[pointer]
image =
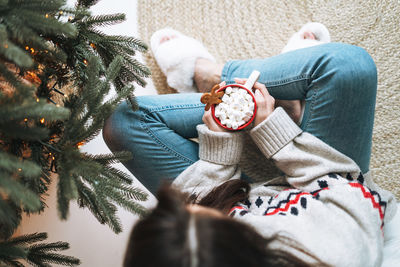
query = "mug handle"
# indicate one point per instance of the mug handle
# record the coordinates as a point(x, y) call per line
point(252, 80)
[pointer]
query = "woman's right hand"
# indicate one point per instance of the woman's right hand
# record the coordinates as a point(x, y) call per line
point(265, 102)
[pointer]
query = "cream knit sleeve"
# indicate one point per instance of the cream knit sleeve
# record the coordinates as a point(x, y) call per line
point(300, 155)
point(219, 154)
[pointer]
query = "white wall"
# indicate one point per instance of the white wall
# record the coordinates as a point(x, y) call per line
point(93, 243)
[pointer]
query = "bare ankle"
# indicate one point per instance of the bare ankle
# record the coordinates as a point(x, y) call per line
point(292, 108)
point(206, 74)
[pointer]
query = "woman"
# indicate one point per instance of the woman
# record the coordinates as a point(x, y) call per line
point(324, 209)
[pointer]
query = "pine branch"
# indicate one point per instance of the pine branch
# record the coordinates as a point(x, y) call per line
point(87, 3)
point(109, 210)
point(13, 129)
point(39, 5)
point(103, 20)
point(12, 52)
point(47, 25)
point(88, 199)
point(22, 90)
point(13, 164)
point(128, 42)
point(38, 254)
point(18, 193)
point(26, 239)
point(32, 110)
point(107, 159)
point(10, 218)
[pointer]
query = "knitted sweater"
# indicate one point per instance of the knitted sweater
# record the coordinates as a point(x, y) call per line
point(322, 201)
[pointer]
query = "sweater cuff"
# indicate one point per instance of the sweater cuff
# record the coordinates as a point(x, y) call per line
point(274, 132)
point(220, 147)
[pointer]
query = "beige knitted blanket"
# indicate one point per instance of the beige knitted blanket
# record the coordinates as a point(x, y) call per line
point(226, 26)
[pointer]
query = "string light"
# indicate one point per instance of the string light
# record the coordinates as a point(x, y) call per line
point(26, 119)
point(93, 45)
point(26, 47)
point(53, 158)
point(37, 100)
point(85, 61)
point(47, 16)
point(32, 50)
point(32, 77)
point(19, 169)
point(80, 144)
point(61, 12)
point(70, 18)
point(42, 120)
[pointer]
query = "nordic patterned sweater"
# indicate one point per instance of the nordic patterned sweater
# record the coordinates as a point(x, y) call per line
point(322, 201)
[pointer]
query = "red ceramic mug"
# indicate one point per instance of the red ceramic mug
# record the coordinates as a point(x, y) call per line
point(248, 87)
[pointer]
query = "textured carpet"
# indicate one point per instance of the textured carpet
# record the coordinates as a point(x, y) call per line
point(226, 26)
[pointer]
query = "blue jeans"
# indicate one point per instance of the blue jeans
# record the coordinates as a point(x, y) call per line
point(337, 81)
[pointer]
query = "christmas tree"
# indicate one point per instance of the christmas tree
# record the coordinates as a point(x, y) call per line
point(56, 67)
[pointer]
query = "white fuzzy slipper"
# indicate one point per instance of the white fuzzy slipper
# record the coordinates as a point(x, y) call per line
point(300, 39)
point(176, 57)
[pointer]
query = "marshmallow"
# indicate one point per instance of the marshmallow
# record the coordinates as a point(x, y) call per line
point(242, 92)
point(222, 117)
point(246, 118)
point(225, 98)
point(248, 97)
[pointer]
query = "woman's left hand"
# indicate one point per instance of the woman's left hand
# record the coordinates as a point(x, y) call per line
point(209, 120)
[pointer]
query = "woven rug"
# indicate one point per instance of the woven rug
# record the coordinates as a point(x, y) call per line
point(226, 26)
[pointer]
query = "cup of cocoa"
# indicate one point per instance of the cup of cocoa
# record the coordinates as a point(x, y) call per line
point(238, 105)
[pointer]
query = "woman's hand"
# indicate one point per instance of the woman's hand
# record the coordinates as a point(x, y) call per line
point(209, 120)
point(265, 102)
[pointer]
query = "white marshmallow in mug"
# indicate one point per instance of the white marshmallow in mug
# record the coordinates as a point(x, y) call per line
point(236, 109)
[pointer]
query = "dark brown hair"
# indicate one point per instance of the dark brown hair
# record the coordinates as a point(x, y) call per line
point(161, 238)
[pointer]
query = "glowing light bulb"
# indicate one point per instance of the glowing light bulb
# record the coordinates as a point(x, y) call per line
point(80, 144)
point(42, 120)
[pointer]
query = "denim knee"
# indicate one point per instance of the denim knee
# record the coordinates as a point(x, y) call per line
point(353, 67)
point(116, 126)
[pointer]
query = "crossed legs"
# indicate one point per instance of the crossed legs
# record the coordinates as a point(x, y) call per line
point(337, 82)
